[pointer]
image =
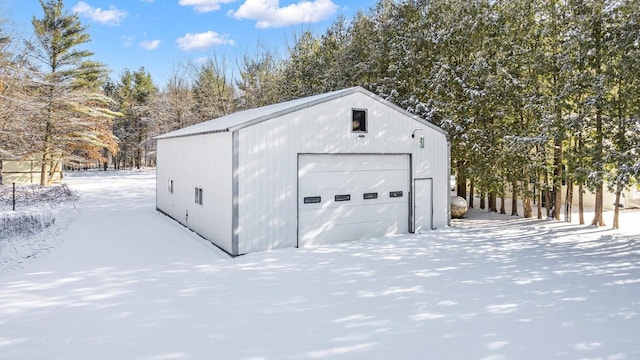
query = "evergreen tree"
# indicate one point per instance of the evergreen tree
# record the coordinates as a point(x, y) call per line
point(534, 95)
point(623, 80)
point(212, 91)
point(73, 110)
point(302, 71)
point(134, 94)
point(333, 57)
point(592, 38)
point(361, 43)
point(457, 85)
point(260, 81)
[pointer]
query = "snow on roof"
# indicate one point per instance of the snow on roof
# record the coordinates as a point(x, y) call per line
point(250, 117)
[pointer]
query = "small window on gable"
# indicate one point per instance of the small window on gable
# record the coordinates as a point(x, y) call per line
point(171, 186)
point(198, 196)
point(358, 120)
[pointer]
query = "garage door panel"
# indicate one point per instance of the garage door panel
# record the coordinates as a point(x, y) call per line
point(323, 219)
point(317, 199)
point(358, 180)
point(324, 163)
point(330, 233)
point(352, 214)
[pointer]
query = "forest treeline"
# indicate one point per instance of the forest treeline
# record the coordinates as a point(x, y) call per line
point(533, 94)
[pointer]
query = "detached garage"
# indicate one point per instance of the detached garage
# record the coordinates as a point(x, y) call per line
point(333, 167)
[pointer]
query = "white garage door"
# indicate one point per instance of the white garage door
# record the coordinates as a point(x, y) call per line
point(347, 197)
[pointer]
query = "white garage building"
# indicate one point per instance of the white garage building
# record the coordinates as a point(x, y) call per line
point(333, 167)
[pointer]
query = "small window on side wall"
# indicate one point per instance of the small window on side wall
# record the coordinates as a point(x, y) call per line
point(198, 196)
point(359, 121)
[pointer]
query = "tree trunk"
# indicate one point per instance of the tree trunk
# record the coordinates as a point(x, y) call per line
point(557, 177)
point(493, 206)
point(548, 203)
point(616, 212)
point(43, 169)
point(598, 154)
point(482, 200)
point(597, 216)
point(547, 195)
point(539, 204)
point(568, 208)
point(471, 194)
point(514, 197)
point(461, 187)
point(526, 198)
point(122, 158)
point(503, 209)
point(53, 168)
point(136, 161)
point(616, 209)
point(581, 203)
point(45, 154)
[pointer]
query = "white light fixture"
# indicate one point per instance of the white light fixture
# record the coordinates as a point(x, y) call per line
point(413, 135)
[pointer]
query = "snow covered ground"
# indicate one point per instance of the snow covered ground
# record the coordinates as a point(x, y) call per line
point(124, 282)
point(26, 233)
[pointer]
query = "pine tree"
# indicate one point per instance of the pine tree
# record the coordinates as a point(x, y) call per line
point(213, 91)
point(73, 110)
point(260, 80)
point(134, 93)
point(302, 72)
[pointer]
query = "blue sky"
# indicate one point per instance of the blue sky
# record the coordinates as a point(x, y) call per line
point(161, 34)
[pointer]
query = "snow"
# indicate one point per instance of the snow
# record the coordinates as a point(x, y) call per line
point(126, 282)
point(37, 209)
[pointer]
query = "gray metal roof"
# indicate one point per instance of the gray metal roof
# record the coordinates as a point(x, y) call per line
point(250, 117)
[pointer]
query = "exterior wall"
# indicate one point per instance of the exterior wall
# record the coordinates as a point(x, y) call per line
point(268, 152)
point(205, 162)
point(633, 196)
point(630, 197)
point(26, 172)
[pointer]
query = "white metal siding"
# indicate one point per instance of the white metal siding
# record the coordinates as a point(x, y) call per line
point(203, 161)
point(433, 162)
point(326, 176)
point(267, 162)
point(423, 204)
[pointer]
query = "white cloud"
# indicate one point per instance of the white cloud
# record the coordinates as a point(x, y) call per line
point(268, 13)
point(202, 41)
point(111, 17)
point(150, 44)
point(205, 5)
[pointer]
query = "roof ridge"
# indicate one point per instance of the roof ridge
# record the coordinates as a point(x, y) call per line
point(239, 119)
